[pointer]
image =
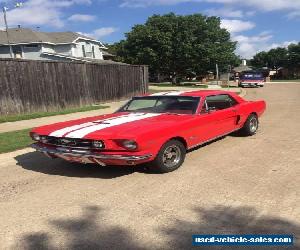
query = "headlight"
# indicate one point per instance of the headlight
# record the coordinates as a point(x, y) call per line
point(98, 144)
point(36, 137)
point(129, 144)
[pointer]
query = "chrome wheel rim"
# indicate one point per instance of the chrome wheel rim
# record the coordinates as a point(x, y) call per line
point(253, 124)
point(171, 156)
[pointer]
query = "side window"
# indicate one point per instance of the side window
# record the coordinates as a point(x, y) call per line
point(219, 102)
point(232, 101)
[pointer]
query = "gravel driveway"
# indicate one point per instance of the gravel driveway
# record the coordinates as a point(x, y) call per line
point(233, 185)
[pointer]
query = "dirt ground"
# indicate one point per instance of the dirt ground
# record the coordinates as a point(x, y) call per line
point(233, 185)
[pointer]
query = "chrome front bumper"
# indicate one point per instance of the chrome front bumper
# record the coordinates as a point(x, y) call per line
point(87, 154)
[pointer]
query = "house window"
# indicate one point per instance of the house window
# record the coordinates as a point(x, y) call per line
point(31, 46)
point(83, 51)
point(93, 51)
point(88, 52)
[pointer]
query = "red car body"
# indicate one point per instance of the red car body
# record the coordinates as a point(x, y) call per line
point(149, 130)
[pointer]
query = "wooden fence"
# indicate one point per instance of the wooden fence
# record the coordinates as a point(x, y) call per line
point(32, 86)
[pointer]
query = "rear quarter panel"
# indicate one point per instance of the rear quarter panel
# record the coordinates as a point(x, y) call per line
point(248, 107)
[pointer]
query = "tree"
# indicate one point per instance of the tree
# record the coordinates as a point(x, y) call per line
point(294, 56)
point(288, 58)
point(260, 60)
point(178, 45)
point(273, 59)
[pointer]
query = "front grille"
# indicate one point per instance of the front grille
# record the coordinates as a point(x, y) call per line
point(67, 142)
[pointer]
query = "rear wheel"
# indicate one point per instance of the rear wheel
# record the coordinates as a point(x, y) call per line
point(170, 157)
point(251, 125)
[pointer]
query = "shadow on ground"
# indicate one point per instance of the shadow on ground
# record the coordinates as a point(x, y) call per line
point(229, 220)
point(38, 162)
point(91, 232)
point(80, 233)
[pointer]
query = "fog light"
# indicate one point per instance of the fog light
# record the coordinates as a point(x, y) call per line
point(98, 144)
point(129, 144)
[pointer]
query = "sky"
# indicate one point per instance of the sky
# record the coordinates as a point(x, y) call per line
point(256, 25)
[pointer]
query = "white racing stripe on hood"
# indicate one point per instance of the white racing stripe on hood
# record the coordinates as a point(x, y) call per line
point(176, 93)
point(63, 131)
point(109, 123)
point(160, 93)
point(169, 93)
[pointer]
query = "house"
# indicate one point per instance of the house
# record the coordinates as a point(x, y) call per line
point(242, 67)
point(37, 45)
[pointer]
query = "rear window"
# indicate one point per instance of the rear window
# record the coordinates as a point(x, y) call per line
point(252, 76)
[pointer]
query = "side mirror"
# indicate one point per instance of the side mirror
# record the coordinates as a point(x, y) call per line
point(208, 111)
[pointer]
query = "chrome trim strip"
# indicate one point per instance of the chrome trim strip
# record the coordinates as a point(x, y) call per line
point(65, 146)
point(88, 154)
point(214, 138)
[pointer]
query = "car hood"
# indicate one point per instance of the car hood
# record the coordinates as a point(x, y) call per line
point(118, 125)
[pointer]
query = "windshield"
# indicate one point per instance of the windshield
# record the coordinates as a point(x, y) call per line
point(162, 104)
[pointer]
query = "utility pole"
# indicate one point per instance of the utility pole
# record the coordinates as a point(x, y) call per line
point(228, 76)
point(217, 73)
point(6, 29)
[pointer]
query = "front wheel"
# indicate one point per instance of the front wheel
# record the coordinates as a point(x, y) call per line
point(251, 125)
point(170, 157)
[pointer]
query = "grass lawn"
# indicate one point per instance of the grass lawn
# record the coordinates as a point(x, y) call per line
point(13, 118)
point(11, 141)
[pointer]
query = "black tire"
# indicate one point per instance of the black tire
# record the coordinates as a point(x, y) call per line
point(251, 125)
point(163, 165)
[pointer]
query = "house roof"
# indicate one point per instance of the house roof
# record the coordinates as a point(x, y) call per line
point(242, 68)
point(105, 53)
point(23, 35)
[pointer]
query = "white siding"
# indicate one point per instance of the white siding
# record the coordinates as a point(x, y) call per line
point(75, 50)
point(48, 48)
point(88, 49)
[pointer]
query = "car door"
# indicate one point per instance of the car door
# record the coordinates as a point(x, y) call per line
point(217, 116)
point(203, 126)
point(224, 113)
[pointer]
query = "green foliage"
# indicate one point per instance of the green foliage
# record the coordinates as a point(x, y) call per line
point(274, 58)
point(278, 57)
point(178, 45)
point(294, 56)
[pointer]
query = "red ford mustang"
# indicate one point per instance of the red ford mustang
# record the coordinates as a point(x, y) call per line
point(157, 128)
